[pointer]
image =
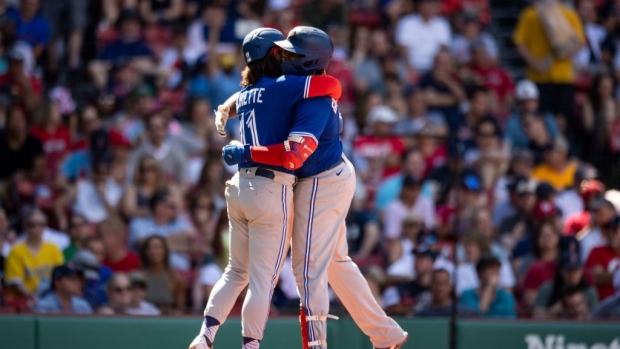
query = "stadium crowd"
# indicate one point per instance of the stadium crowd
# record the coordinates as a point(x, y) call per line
point(503, 191)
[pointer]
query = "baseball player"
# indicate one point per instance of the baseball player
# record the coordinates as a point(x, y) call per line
point(323, 193)
point(259, 196)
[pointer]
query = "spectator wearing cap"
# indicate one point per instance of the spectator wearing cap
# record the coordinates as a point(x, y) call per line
point(520, 166)
point(138, 305)
point(379, 151)
point(602, 211)
point(573, 201)
point(128, 48)
point(527, 97)
point(489, 298)
point(171, 157)
point(30, 25)
point(401, 299)
point(441, 303)
point(550, 66)
point(515, 227)
point(609, 309)
point(18, 85)
point(556, 169)
point(548, 303)
point(93, 275)
point(476, 246)
point(20, 152)
point(117, 256)
point(30, 262)
point(79, 230)
point(409, 202)
point(64, 296)
point(484, 71)
point(471, 31)
point(433, 32)
point(604, 261)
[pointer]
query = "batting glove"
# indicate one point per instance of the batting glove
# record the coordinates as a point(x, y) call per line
point(236, 153)
point(221, 117)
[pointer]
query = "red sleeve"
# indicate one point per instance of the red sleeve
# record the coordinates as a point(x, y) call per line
point(268, 155)
point(593, 259)
point(37, 87)
point(324, 85)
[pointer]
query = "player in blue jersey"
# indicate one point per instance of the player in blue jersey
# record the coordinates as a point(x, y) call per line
point(326, 182)
point(259, 197)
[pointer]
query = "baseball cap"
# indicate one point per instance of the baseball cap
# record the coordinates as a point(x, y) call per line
point(559, 144)
point(591, 188)
point(118, 140)
point(87, 264)
point(601, 202)
point(425, 252)
point(570, 260)
point(471, 181)
point(526, 186)
point(61, 271)
point(526, 89)
point(544, 190)
point(15, 55)
point(382, 113)
point(137, 278)
point(544, 209)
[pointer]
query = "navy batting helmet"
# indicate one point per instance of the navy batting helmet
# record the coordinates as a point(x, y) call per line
point(315, 46)
point(257, 43)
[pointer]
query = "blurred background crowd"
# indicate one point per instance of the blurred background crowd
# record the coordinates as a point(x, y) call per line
point(486, 144)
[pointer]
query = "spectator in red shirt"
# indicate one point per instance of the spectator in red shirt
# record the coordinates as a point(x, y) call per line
point(20, 87)
point(118, 258)
point(485, 72)
point(590, 191)
point(54, 136)
point(605, 260)
point(380, 150)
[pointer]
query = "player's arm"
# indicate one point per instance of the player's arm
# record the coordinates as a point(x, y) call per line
point(224, 112)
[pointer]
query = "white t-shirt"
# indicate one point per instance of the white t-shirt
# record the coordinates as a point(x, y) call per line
point(395, 212)
point(467, 277)
point(422, 39)
point(88, 203)
point(591, 240)
point(569, 202)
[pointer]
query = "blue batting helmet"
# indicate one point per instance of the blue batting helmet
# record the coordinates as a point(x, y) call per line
point(257, 43)
point(315, 46)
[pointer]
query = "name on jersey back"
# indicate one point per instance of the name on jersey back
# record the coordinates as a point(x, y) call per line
point(254, 95)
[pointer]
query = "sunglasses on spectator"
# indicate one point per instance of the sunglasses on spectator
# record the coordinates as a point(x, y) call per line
point(120, 289)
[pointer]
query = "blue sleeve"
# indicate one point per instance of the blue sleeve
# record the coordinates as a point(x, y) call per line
point(293, 87)
point(312, 116)
point(470, 299)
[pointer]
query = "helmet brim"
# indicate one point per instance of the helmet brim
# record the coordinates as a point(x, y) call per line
point(288, 46)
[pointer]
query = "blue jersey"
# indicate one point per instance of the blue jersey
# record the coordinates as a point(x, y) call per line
point(318, 118)
point(266, 112)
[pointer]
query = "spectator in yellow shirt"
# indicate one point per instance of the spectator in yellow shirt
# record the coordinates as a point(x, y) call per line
point(556, 169)
point(548, 52)
point(29, 265)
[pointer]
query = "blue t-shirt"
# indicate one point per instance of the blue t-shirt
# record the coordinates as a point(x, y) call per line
point(502, 306)
point(265, 112)
point(36, 32)
point(76, 165)
point(318, 118)
point(50, 304)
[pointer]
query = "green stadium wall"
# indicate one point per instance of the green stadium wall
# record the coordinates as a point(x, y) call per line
point(47, 332)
